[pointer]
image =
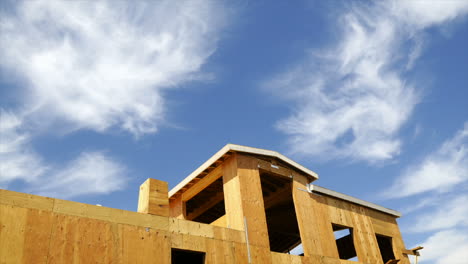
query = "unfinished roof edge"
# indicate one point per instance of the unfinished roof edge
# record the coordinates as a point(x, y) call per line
point(245, 149)
point(342, 196)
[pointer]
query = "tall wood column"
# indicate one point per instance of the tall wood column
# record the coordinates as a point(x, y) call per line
point(244, 204)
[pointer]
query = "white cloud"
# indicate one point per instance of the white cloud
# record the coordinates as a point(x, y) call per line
point(351, 100)
point(456, 209)
point(448, 246)
point(17, 159)
point(425, 13)
point(90, 173)
point(440, 171)
point(103, 64)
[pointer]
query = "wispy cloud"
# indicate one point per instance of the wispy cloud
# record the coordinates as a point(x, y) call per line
point(447, 246)
point(436, 219)
point(17, 159)
point(440, 171)
point(439, 182)
point(350, 101)
point(102, 64)
point(90, 173)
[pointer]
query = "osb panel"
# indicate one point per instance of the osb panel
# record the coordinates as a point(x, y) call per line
point(12, 229)
point(77, 239)
point(282, 258)
point(144, 245)
point(38, 230)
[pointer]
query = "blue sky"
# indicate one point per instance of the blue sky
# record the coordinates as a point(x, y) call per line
point(373, 96)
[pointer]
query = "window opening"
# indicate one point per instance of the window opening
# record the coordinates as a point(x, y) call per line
point(180, 256)
point(208, 205)
point(345, 242)
point(385, 246)
point(283, 230)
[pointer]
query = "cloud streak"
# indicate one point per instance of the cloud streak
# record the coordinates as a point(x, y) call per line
point(91, 173)
point(17, 159)
point(350, 101)
point(104, 64)
point(440, 171)
point(447, 246)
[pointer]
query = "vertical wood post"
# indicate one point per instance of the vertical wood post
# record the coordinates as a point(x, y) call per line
point(153, 198)
point(244, 198)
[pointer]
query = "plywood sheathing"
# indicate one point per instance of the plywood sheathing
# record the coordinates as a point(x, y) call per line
point(36, 229)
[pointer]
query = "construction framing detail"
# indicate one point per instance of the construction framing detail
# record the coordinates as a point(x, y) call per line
point(244, 205)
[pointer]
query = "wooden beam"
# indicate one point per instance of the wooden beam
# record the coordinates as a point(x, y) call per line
point(207, 205)
point(177, 207)
point(274, 168)
point(153, 198)
point(413, 251)
point(202, 183)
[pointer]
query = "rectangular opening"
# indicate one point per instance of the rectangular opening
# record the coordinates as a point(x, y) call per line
point(208, 205)
point(180, 256)
point(283, 230)
point(386, 248)
point(345, 242)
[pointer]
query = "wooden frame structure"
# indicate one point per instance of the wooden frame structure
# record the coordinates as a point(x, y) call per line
point(244, 205)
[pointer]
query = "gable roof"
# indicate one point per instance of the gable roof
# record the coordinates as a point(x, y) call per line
point(242, 149)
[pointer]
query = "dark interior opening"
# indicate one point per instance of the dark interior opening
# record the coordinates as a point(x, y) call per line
point(207, 205)
point(283, 230)
point(179, 256)
point(345, 242)
point(385, 246)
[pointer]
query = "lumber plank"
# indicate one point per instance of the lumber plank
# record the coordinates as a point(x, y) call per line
point(26, 200)
point(204, 182)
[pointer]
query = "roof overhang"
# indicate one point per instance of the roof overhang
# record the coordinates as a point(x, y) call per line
point(242, 149)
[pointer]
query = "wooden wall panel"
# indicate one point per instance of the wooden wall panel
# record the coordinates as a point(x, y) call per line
point(313, 220)
point(365, 241)
point(12, 229)
point(141, 245)
point(366, 223)
point(283, 258)
point(77, 239)
point(387, 225)
point(36, 229)
point(37, 235)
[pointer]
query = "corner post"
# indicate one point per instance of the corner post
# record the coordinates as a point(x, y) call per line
point(153, 198)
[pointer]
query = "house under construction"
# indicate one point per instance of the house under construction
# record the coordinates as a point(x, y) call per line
point(243, 205)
